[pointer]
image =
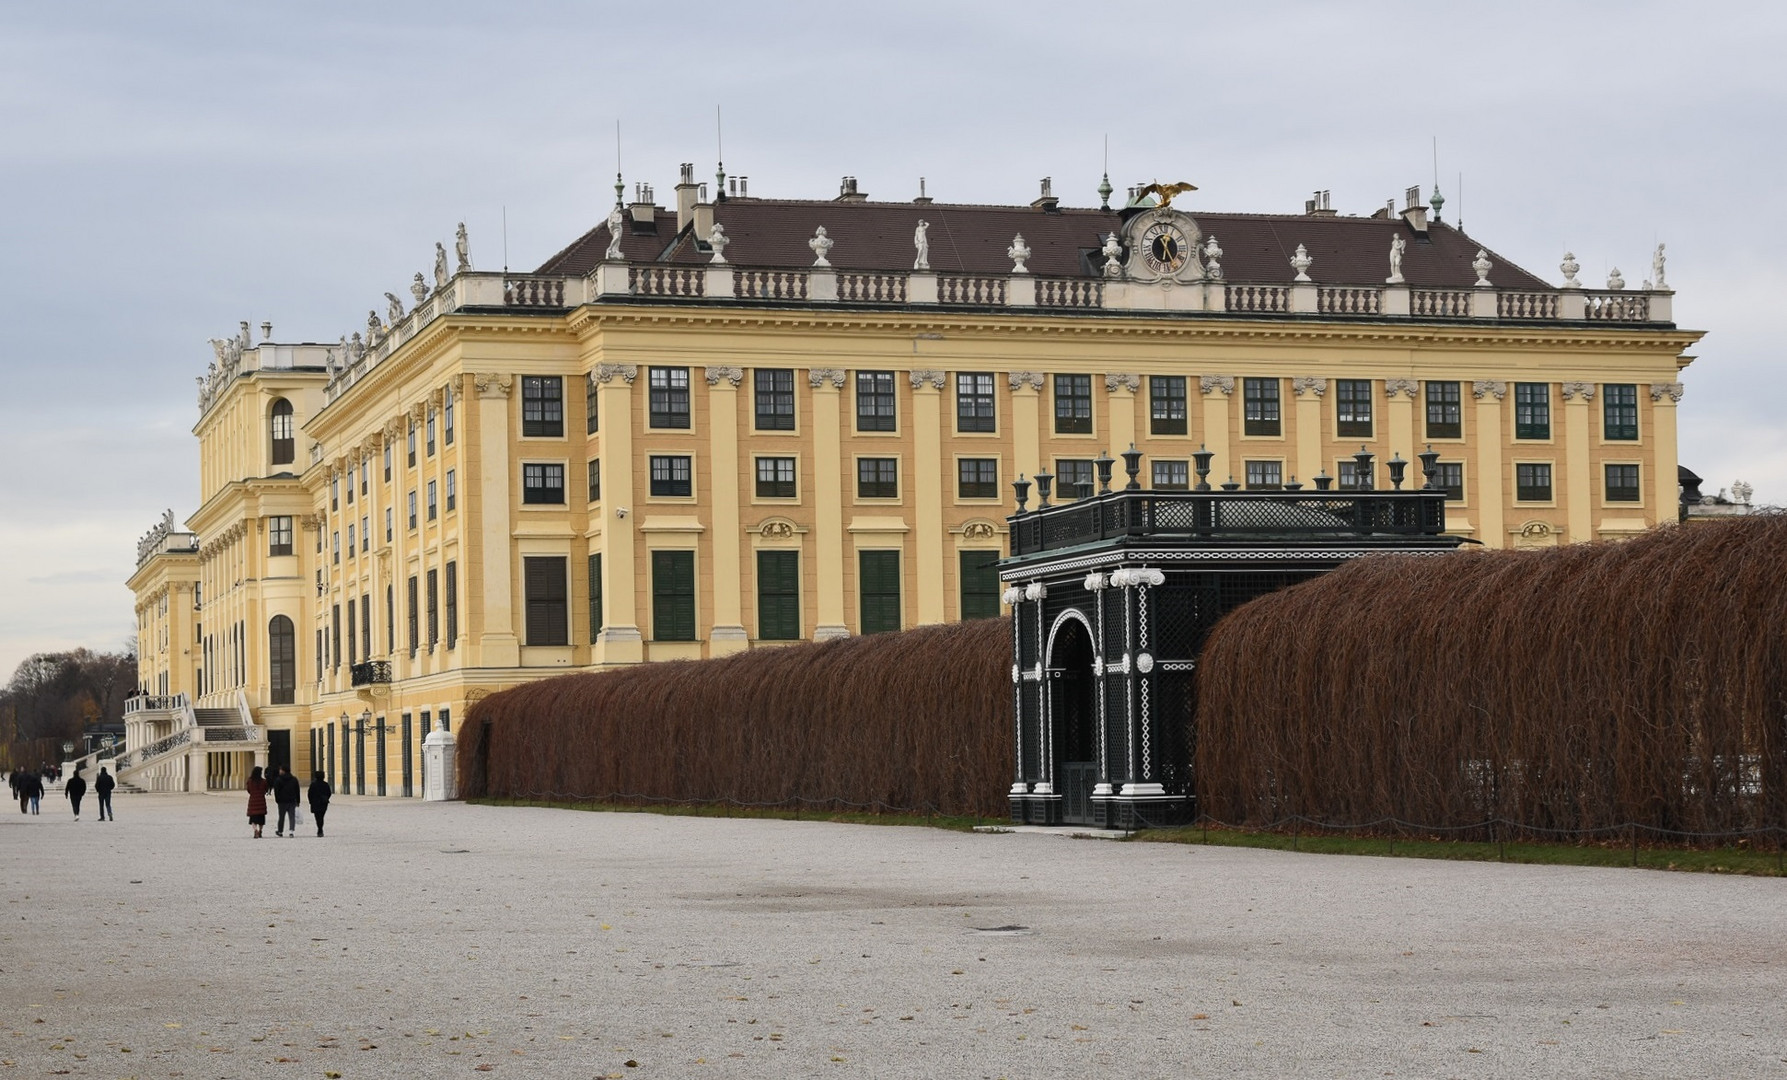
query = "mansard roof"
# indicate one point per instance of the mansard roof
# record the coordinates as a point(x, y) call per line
point(1065, 242)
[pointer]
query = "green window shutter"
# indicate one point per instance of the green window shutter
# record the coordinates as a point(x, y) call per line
point(673, 596)
point(778, 595)
point(980, 584)
point(878, 582)
point(595, 597)
point(543, 586)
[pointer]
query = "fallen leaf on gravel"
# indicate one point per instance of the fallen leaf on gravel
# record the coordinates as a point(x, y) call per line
point(1194, 1016)
point(332, 1075)
point(483, 1068)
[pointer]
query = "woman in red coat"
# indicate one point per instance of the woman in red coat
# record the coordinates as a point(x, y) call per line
point(257, 801)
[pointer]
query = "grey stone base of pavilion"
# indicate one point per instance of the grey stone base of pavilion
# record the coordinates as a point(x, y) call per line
point(1125, 812)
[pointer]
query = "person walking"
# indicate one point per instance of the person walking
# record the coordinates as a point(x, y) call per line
point(257, 801)
point(286, 793)
point(33, 790)
point(17, 780)
point(75, 790)
point(102, 789)
point(320, 793)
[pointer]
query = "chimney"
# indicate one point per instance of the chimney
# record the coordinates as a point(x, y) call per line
point(923, 199)
point(1318, 206)
point(686, 195)
point(642, 208)
point(1415, 211)
point(847, 191)
point(1046, 202)
point(704, 214)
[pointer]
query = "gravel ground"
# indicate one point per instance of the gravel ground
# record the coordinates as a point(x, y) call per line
point(439, 940)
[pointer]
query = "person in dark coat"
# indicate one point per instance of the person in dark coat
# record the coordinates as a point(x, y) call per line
point(257, 801)
point(102, 787)
point(75, 790)
point(286, 793)
point(320, 793)
point(31, 791)
point(17, 780)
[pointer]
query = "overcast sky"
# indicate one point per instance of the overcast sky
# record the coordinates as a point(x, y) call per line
point(170, 169)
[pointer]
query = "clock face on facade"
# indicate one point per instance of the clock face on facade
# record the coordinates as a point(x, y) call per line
point(1164, 248)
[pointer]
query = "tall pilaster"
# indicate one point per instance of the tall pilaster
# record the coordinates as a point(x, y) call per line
point(1400, 413)
point(620, 641)
point(728, 634)
point(1490, 489)
point(927, 492)
point(1309, 391)
point(1026, 413)
point(498, 645)
point(827, 385)
point(1217, 389)
point(1665, 489)
point(1120, 391)
point(1578, 491)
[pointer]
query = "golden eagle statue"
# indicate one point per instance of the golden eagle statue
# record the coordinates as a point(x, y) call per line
point(1165, 192)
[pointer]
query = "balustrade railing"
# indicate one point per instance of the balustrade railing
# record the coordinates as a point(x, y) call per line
point(146, 754)
point(770, 284)
point(370, 672)
point(1526, 305)
point(533, 290)
point(970, 289)
point(1258, 298)
point(1199, 515)
point(872, 288)
point(1069, 293)
point(1447, 303)
point(154, 703)
point(1617, 306)
point(1349, 300)
point(686, 281)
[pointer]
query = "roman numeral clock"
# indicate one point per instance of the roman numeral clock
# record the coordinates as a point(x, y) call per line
point(1163, 242)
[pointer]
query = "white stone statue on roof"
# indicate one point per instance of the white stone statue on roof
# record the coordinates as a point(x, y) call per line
point(616, 221)
point(1212, 259)
point(374, 328)
point(922, 244)
point(821, 244)
point(419, 289)
point(440, 265)
point(1017, 253)
point(244, 337)
point(1112, 252)
point(1397, 244)
point(396, 307)
point(1656, 271)
point(717, 239)
point(1569, 266)
point(357, 348)
point(1482, 266)
point(463, 248)
point(1614, 280)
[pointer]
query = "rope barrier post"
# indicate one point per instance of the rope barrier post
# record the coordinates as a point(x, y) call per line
point(1634, 828)
point(1205, 820)
point(1296, 831)
point(1501, 842)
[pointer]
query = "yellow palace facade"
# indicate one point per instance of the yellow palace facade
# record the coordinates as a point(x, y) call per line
point(742, 422)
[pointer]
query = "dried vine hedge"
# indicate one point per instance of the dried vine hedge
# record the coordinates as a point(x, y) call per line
point(919, 722)
point(1575, 688)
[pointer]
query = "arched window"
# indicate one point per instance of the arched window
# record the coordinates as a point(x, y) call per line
point(282, 660)
point(285, 446)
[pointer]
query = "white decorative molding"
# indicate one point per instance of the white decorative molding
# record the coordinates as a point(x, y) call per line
point(817, 377)
point(1671, 390)
point(1094, 582)
point(607, 372)
point(1614, 280)
point(1301, 262)
point(1036, 590)
point(1144, 663)
point(979, 530)
point(717, 239)
point(1585, 389)
point(821, 245)
point(488, 384)
point(1017, 253)
point(1482, 266)
point(1212, 259)
point(733, 375)
point(1124, 379)
point(1112, 252)
point(1032, 379)
point(919, 377)
point(1392, 387)
point(1126, 576)
point(1209, 384)
point(1309, 384)
point(1015, 674)
point(1489, 386)
point(1569, 266)
point(1012, 596)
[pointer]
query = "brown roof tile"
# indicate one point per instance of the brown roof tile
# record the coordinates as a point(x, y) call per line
point(973, 239)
